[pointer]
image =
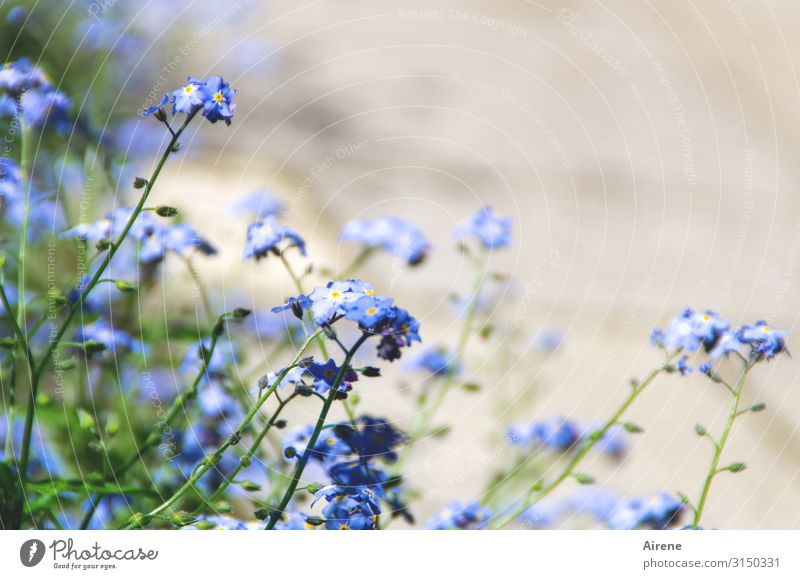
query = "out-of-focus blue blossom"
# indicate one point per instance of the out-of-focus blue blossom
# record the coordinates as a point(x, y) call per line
point(659, 512)
point(259, 204)
point(765, 341)
point(115, 341)
point(594, 501)
point(690, 331)
point(543, 514)
point(269, 325)
point(548, 340)
point(293, 376)
point(435, 361)
point(25, 88)
point(349, 509)
point(39, 107)
point(728, 343)
point(265, 236)
point(397, 236)
point(181, 239)
point(17, 15)
point(683, 365)
point(214, 401)
point(458, 515)
point(562, 435)
point(224, 357)
point(44, 463)
point(492, 231)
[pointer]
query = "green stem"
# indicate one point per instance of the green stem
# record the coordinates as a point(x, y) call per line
point(587, 446)
point(312, 441)
point(155, 436)
point(713, 471)
point(26, 176)
point(428, 413)
point(139, 520)
point(245, 460)
point(112, 250)
point(357, 263)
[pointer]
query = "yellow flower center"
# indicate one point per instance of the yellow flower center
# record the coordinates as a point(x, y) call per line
point(344, 527)
point(336, 294)
point(189, 89)
point(218, 98)
point(372, 311)
point(369, 293)
point(767, 329)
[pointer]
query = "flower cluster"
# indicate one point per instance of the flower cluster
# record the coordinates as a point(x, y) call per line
point(352, 458)
point(357, 302)
point(349, 511)
point(691, 331)
point(155, 237)
point(25, 89)
point(397, 236)
point(562, 435)
point(213, 96)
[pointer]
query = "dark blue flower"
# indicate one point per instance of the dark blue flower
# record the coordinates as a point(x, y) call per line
point(265, 236)
point(325, 376)
point(492, 231)
point(683, 365)
point(349, 509)
point(217, 97)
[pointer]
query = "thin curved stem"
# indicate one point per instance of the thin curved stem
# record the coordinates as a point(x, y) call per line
point(112, 250)
point(139, 520)
point(430, 411)
point(312, 441)
point(251, 451)
point(587, 446)
point(155, 436)
point(713, 469)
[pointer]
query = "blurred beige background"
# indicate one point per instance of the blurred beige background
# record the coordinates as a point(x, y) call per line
point(650, 146)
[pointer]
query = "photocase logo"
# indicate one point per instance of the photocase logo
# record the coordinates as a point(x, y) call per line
point(32, 552)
